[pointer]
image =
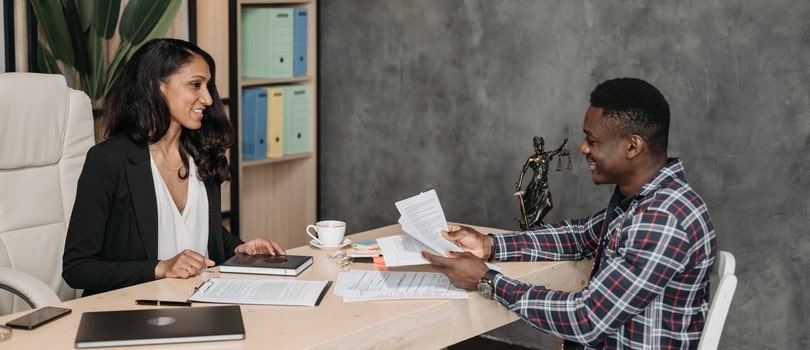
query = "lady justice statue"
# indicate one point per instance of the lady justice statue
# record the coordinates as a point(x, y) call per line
point(535, 200)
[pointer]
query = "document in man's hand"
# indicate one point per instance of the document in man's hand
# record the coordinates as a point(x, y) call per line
point(422, 218)
point(402, 250)
point(266, 264)
point(261, 292)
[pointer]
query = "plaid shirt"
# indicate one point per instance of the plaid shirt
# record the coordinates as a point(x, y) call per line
point(651, 290)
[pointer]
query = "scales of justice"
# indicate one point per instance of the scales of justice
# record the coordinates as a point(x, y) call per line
point(535, 200)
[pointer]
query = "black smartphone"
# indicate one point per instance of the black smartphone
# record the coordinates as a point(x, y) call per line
point(38, 317)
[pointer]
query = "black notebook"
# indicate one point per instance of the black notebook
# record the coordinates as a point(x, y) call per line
point(160, 326)
point(286, 265)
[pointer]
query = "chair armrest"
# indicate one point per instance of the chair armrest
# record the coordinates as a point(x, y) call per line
point(30, 289)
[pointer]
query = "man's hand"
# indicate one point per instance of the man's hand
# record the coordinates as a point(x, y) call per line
point(463, 269)
point(469, 239)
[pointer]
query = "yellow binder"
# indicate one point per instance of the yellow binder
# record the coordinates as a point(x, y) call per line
point(275, 122)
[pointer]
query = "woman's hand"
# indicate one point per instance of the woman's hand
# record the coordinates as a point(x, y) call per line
point(185, 264)
point(259, 246)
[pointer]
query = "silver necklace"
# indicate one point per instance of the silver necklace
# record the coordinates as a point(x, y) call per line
point(166, 165)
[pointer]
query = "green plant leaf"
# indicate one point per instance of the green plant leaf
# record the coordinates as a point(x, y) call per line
point(161, 27)
point(165, 21)
point(77, 37)
point(85, 13)
point(51, 17)
point(106, 17)
point(115, 67)
point(139, 18)
point(45, 60)
point(95, 77)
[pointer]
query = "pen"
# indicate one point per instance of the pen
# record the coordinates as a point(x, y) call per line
point(162, 302)
point(374, 255)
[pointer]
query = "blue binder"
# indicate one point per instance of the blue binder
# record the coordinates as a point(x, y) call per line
point(254, 124)
point(300, 16)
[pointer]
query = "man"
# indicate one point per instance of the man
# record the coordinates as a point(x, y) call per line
point(653, 246)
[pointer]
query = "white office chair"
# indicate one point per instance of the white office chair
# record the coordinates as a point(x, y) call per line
point(721, 302)
point(46, 129)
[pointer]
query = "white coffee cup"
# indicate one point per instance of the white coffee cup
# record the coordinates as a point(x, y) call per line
point(328, 233)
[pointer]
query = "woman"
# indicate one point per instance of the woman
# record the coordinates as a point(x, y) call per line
point(148, 199)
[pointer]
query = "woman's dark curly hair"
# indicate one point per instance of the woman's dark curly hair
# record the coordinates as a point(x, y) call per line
point(137, 108)
point(637, 108)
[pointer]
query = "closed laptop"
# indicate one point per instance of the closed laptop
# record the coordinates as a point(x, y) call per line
point(160, 326)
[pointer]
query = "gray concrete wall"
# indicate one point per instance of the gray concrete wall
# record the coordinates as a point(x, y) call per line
point(447, 94)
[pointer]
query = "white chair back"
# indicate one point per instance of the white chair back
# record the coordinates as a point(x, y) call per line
point(46, 129)
point(721, 302)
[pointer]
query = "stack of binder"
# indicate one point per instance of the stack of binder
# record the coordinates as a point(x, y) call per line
point(274, 42)
point(276, 121)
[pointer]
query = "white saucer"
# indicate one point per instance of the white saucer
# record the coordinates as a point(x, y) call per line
point(345, 242)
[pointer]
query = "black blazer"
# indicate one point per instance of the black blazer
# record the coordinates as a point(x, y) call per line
point(112, 237)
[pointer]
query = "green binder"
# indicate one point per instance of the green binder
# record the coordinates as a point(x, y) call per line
point(297, 119)
point(267, 42)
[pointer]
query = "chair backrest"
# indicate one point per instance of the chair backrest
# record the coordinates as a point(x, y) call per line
point(721, 302)
point(46, 129)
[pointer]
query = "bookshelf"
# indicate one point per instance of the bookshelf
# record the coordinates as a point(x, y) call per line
point(274, 198)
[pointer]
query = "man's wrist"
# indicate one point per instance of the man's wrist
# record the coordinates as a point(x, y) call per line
point(486, 285)
point(491, 248)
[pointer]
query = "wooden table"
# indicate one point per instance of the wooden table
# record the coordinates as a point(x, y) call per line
point(400, 324)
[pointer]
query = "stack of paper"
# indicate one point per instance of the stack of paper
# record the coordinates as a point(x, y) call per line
point(377, 285)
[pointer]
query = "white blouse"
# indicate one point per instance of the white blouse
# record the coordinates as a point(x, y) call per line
point(187, 230)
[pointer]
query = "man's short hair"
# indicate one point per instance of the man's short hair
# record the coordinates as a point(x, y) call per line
point(637, 108)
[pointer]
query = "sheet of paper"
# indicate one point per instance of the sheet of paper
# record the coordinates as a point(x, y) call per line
point(423, 218)
point(361, 285)
point(260, 291)
point(402, 250)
